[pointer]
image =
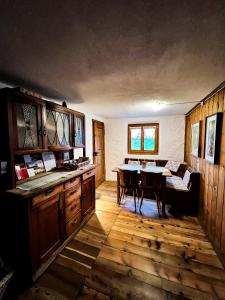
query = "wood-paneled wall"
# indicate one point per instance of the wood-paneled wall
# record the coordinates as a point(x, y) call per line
point(212, 185)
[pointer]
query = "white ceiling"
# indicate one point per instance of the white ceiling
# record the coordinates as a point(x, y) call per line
point(115, 58)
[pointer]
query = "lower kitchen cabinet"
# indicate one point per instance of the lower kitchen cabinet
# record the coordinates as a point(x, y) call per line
point(46, 229)
point(88, 193)
point(34, 229)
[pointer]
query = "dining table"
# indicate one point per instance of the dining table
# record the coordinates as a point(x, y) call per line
point(150, 168)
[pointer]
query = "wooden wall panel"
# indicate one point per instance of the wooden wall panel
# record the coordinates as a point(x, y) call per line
point(212, 183)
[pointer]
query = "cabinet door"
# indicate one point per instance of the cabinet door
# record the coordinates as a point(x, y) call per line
point(88, 196)
point(58, 128)
point(27, 118)
point(46, 235)
point(79, 134)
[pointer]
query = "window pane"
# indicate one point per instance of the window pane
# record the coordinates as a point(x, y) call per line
point(149, 138)
point(135, 138)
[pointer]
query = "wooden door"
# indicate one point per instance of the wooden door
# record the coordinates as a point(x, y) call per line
point(99, 151)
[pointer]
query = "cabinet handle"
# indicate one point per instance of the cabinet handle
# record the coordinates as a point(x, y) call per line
point(88, 173)
point(72, 180)
point(73, 207)
point(44, 131)
point(40, 132)
point(73, 192)
point(74, 222)
point(49, 191)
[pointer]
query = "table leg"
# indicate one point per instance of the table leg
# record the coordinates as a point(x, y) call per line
point(164, 198)
point(118, 189)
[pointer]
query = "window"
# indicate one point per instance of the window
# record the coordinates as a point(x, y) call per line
point(143, 138)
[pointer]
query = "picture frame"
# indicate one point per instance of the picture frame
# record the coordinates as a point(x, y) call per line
point(196, 139)
point(213, 137)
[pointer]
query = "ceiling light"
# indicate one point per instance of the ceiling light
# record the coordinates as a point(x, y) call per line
point(157, 105)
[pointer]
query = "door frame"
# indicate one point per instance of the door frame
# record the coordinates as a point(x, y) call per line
point(93, 143)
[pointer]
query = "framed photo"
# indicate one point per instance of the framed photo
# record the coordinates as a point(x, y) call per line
point(213, 137)
point(195, 139)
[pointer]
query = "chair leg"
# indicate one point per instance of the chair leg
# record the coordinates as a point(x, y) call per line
point(158, 204)
point(137, 195)
point(134, 199)
point(121, 194)
point(142, 196)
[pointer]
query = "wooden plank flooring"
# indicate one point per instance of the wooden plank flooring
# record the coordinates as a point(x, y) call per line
point(122, 255)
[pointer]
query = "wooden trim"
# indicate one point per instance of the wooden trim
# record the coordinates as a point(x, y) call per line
point(93, 141)
point(142, 151)
point(211, 94)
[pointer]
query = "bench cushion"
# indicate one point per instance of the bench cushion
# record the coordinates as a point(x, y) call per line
point(172, 165)
point(176, 183)
point(186, 178)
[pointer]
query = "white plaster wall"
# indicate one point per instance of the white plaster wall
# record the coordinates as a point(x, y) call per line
point(171, 140)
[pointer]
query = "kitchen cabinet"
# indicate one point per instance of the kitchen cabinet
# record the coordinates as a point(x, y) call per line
point(79, 134)
point(35, 227)
point(28, 124)
point(58, 127)
point(72, 205)
point(46, 225)
point(88, 193)
point(36, 126)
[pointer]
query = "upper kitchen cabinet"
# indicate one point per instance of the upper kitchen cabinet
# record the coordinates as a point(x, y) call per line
point(58, 127)
point(27, 123)
point(79, 133)
point(37, 125)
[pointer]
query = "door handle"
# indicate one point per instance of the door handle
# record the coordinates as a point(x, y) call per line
point(95, 153)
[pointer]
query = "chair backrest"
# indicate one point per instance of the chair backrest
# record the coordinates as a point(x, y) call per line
point(133, 162)
point(128, 178)
point(151, 180)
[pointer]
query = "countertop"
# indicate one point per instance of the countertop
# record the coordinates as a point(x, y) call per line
point(27, 194)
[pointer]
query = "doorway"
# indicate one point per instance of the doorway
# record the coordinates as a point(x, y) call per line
point(99, 151)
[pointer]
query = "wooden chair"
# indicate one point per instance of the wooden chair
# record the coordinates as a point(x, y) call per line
point(128, 180)
point(151, 183)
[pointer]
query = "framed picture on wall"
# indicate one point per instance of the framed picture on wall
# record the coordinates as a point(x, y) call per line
point(195, 139)
point(213, 137)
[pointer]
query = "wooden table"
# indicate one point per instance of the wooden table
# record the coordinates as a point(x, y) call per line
point(155, 169)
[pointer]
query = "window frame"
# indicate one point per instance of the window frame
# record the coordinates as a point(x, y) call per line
point(142, 151)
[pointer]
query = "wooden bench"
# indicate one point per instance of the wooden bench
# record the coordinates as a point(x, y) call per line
point(183, 192)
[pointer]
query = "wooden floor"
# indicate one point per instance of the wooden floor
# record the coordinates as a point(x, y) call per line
point(122, 255)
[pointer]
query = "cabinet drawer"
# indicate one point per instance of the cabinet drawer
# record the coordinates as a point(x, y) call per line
point(88, 174)
point(73, 224)
point(72, 182)
point(72, 209)
point(47, 194)
point(72, 195)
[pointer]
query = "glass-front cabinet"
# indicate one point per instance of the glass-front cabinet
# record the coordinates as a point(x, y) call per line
point(58, 127)
point(28, 125)
point(79, 134)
